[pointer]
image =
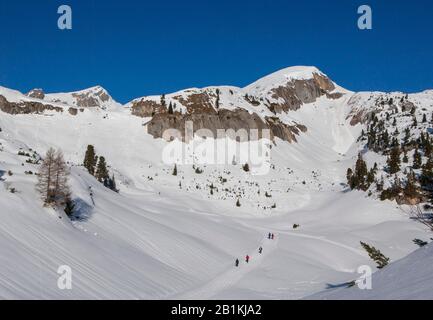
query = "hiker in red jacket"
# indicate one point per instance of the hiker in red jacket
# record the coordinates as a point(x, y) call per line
point(247, 258)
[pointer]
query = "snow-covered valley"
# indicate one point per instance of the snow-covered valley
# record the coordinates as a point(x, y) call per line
point(166, 236)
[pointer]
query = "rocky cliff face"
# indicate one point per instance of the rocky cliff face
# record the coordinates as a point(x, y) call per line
point(257, 106)
point(232, 122)
point(295, 93)
point(26, 107)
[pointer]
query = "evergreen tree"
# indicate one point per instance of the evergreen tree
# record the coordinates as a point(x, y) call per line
point(90, 159)
point(427, 146)
point(376, 255)
point(379, 184)
point(101, 170)
point(426, 178)
point(424, 118)
point(359, 178)
point(394, 160)
point(410, 190)
point(163, 103)
point(170, 109)
point(415, 122)
point(417, 160)
point(175, 170)
point(217, 102)
point(349, 176)
point(385, 139)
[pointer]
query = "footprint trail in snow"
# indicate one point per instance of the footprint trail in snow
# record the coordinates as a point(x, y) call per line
point(232, 275)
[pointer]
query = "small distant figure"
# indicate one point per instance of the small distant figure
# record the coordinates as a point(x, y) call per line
point(272, 236)
point(269, 235)
point(247, 258)
point(237, 263)
point(260, 250)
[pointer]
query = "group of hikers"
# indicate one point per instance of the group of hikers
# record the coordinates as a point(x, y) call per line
point(247, 257)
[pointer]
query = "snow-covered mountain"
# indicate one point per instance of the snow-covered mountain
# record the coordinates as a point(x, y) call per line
point(177, 236)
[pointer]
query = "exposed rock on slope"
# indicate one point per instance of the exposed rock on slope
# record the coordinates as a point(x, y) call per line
point(25, 107)
point(36, 93)
point(224, 119)
point(257, 106)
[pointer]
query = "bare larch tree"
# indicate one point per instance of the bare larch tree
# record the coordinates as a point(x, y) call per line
point(53, 179)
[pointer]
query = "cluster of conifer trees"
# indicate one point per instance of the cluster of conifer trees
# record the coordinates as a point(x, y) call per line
point(97, 167)
point(418, 182)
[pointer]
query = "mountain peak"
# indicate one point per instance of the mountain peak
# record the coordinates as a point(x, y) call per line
point(283, 76)
point(95, 96)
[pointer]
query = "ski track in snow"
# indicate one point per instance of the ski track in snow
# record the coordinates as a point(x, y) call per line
point(233, 274)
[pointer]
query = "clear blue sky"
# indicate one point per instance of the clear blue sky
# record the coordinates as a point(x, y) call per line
point(136, 48)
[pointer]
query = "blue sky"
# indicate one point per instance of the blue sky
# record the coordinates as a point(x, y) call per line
point(136, 48)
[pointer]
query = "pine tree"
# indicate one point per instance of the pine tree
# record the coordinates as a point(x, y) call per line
point(417, 160)
point(424, 118)
point(427, 146)
point(385, 139)
point(410, 190)
point(175, 170)
point(90, 159)
point(426, 178)
point(358, 178)
point(238, 203)
point(415, 122)
point(101, 170)
point(163, 103)
point(394, 160)
point(170, 109)
point(376, 255)
point(217, 102)
point(349, 177)
point(246, 167)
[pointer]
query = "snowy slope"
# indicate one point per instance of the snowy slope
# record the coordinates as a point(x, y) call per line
point(166, 236)
point(406, 279)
